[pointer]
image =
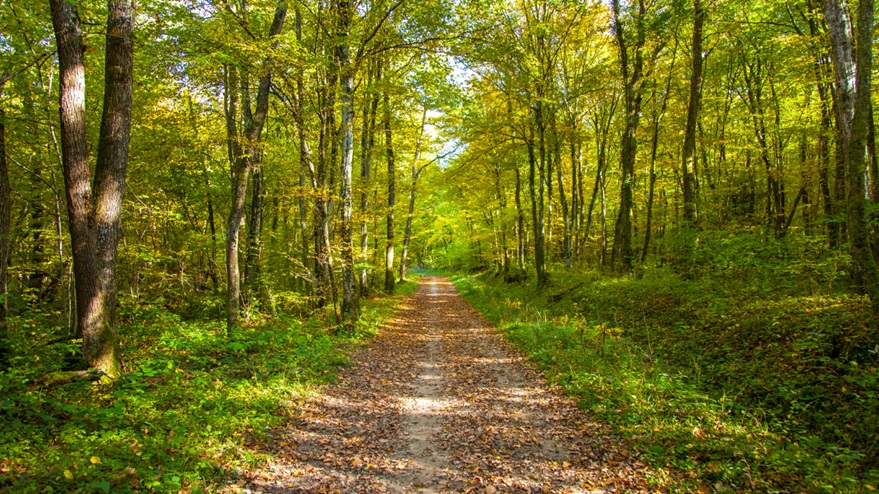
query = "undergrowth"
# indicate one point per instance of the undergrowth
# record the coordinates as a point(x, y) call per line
point(193, 407)
point(745, 388)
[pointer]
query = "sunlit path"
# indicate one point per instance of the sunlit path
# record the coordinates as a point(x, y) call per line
point(441, 403)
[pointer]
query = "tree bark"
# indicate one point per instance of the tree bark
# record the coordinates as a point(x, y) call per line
point(350, 309)
point(392, 199)
point(5, 224)
point(689, 155)
point(112, 158)
point(367, 144)
point(536, 209)
point(622, 241)
point(852, 70)
point(94, 227)
point(244, 155)
point(520, 223)
point(412, 193)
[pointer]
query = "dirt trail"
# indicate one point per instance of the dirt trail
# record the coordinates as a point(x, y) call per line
point(440, 402)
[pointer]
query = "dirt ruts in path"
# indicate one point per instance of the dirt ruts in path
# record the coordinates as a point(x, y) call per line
point(440, 402)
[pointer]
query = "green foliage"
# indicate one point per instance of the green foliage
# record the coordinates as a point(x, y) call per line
point(192, 407)
point(758, 383)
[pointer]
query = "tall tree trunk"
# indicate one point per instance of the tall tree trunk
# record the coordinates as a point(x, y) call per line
point(689, 154)
point(622, 241)
point(852, 67)
point(306, 168)
point(536, 207)
point(239, 173)
point(350, 309)
point(254, 230)
point(94, 227)
point(412, 193)
point(392, 199)
point(567, 241)
point(112, 158)
point(366, 148)
point(5, 224)
point(244, 154)
point(852, 70)
point(520, 223)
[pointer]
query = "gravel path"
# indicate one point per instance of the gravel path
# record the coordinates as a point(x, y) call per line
point(440, 402)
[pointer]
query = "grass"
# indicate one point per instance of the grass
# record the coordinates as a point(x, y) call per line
point(192, 408)
point(719, 390)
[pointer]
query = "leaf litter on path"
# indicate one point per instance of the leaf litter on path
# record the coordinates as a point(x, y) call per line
point(441, 402)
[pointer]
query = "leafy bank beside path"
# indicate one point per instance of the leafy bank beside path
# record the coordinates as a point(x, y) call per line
point(741, 393)
point(193, 408)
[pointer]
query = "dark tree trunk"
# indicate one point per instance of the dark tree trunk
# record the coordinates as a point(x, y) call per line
point(366, 148)
point(5, 224)
point(412, 194)
point(244, 156)
point(536, 207)
point(853, 72)
point(654, 145)
point(392, 199)
point(688, 171)
point(622, 241)
point(254, 230)
point(350, 309)
point(94, 227)
point(112, 159)
point(568, 246)
point(520, 223)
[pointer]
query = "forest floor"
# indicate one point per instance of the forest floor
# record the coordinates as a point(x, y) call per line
point(441, 402)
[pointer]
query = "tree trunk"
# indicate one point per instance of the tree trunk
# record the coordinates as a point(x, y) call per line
point(689, 154)
point(412, 192)
point(622, 241)
point(254, 230)
point(536, 208)
point(520, 223)
point(853, 70)
point(350, 309)
point(392, 199)
point(239, 172)
point(5, 224)
point(94, 228)
point(367, 145)
point(244, 156)
point(567, 247)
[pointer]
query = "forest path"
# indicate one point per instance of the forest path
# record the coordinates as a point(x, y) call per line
point(440, 402)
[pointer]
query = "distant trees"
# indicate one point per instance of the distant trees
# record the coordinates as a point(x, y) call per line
point(742, 140)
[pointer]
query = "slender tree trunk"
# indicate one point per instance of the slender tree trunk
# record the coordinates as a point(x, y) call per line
point(392, 199)
point(367, 146)
point(520, 223)
point(350, 308)
point(5, 224)
point(536, 208)
point(689, 155)
point(244, 156)
point(622, 241)
point(412, 193)
point(306, 170)
point(254, 229)
point(239, 173)
point(568, 247)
